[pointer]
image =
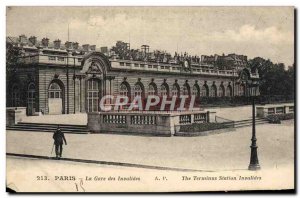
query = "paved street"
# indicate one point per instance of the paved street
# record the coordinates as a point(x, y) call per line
point(225, 151)
point(225, 154)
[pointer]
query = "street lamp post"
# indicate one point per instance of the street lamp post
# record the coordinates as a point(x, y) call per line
point(254, 164)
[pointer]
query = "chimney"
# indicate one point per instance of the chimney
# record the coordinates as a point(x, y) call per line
point(45, 42)
point(104, 50)
point(69, 45)
point(57, 44)
point(216, 57)
point(85, 47)
point(203, 57)
point(23, 38)
point(32, 39)
point(93, 47)
point(75, 45)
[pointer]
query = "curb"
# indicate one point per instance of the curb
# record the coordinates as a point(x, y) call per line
point(107, 163)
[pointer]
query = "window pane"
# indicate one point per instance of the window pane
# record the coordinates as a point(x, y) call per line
point(90, 105)
point(93, 84)
point(89, 85)
point(95, 105)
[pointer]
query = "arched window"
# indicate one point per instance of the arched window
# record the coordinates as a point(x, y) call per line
point(186, 89)
point(93, 95)
point(31, 99)
point(164, 90)
point(196, 90)
point(175, 90)
point(152, 90)
point(204, 91)
point(138, 90)
point(213, 91)
point(55, 97)
point(229, 91)
point(242, 90)
point(221, 90)
point(124, 91)
point(15, 99)
point(54, 91)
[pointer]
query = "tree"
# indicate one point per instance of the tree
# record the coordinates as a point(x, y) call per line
point(12, 54)
point(274, 78)
point(121, 49)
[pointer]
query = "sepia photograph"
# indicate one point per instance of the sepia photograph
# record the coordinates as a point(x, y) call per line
point(150, 99)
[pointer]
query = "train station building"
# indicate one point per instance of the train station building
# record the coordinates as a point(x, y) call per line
point(66, 78)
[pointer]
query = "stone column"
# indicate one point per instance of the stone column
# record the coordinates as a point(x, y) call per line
point(82, 85)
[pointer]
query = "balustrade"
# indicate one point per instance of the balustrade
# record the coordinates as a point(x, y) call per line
point(114, 119)
point(200, 118)
point(143, 120)
point(184, 119)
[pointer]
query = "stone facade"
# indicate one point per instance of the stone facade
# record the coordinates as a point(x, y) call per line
point(55, 80)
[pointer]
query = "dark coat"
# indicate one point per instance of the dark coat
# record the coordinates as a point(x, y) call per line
point(59, 137)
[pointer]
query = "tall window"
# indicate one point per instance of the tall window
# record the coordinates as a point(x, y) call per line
point(204, 91)
point(138, 90)
point(31, 97)
point(242, 90)
point(151, 90)
point(195, 91)
point(15, 99)
point(213, 90)
point(93, 95)
point(175, 91)
point(229, 90)
point(221, 91)
point(163, 90)
point(55, 91)
point(186, 90)
point(124, 90)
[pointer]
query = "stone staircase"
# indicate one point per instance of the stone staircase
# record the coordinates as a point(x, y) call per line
point(248, 122)
point(227, 126)
point(82, 129)
point(44, 127)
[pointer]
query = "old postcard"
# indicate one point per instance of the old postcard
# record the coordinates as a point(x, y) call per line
point(150, 99)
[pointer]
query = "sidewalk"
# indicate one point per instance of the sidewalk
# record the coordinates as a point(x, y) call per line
point(226, 151)
point(74, 119)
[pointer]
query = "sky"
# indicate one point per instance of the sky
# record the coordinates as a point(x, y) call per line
point(267, 32)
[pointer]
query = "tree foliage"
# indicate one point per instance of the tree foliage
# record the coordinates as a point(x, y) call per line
point(275, 79)
point(12, 54)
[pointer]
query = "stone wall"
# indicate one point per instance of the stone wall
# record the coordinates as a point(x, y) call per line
point(271, 109)
point(146, 123)
point(14, 115)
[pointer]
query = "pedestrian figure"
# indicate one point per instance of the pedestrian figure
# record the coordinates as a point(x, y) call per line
point(59, 137)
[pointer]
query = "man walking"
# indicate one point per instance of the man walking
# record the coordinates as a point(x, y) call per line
point(59, 137)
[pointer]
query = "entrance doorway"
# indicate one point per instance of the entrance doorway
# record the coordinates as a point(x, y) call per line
point(55, 98)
